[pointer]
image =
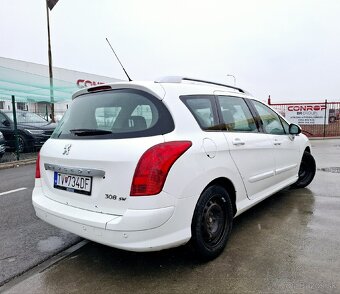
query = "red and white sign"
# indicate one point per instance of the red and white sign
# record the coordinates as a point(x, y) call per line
point(312, 114)
point(87, 83)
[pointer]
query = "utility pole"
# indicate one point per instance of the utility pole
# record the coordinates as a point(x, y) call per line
point(16, 141)
point(49, 5)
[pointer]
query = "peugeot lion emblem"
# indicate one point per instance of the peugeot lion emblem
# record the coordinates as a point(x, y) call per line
point(67, 149)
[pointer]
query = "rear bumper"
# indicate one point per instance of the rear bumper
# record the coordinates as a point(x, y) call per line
point(136, 230)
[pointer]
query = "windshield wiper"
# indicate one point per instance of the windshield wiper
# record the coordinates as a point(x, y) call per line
point(89, 132)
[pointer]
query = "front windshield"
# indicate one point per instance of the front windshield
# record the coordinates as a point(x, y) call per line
point(26, 117)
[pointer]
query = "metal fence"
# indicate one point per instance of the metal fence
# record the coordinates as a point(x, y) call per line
point(317, 119)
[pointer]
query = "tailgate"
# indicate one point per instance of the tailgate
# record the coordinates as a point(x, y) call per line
point(95, 175)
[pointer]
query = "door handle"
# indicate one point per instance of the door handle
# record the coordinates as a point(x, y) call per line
point(238, 142)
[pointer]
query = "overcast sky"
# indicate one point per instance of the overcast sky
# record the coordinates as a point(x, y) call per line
point(289, 49)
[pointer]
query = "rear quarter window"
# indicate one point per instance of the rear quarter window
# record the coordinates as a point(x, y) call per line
point(122, 113)
point(203, 108)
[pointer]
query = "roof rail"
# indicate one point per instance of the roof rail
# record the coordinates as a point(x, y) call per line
point(179, 79)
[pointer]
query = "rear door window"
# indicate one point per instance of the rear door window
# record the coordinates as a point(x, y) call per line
point(235, 115)
point(123, 113)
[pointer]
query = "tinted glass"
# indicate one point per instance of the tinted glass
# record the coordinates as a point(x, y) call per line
point(203, 109)
point(271, 121)
point(123, 113)
point(106, 116)
point(236, 115)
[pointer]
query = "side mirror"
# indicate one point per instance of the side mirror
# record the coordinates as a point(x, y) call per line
point(294, 129)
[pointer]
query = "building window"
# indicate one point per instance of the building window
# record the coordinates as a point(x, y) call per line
point(21, 106)
point(2, 104)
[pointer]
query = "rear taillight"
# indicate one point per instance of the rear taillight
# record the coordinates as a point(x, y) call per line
point(37, 167)
point(154, 165)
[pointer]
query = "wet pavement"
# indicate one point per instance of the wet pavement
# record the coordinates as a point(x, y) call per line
point(290, 243)
point(25, 240)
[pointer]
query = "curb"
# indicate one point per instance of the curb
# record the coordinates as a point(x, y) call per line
point(17, 163)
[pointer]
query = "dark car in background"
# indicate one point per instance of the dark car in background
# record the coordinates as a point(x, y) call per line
point(2, 145)
point(33, 130)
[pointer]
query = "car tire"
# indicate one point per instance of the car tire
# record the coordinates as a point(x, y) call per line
point(212, 223)
point(22, 143)
point(307, 171)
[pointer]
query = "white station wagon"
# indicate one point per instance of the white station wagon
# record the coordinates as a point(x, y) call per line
point(146, 166)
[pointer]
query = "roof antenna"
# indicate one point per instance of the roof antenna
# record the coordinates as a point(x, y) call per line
point(119, 61)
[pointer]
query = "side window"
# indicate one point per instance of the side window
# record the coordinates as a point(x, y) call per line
point(236, 115)
point(203, 109)
point(285, 125)
point(271, 121)
point(144, 112)
point(106, 116)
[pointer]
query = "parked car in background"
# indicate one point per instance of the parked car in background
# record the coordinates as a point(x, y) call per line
point(33, 130)
point(145, 166)
point(2, 145)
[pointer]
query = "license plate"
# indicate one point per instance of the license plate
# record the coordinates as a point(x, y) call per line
point(73, 183)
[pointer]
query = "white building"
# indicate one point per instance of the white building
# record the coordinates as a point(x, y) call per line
point(29, 83)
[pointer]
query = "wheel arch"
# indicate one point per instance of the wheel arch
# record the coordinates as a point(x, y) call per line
point(229, 186)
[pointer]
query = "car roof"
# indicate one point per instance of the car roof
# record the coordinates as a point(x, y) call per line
point(158, 87)
point(180, 80)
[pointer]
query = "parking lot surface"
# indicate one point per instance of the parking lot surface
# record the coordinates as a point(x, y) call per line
point(287, 244)
point(25, 240)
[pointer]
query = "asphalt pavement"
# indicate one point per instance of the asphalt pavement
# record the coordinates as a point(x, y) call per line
point(289, 243)
point(9, 160)
point(25, 240)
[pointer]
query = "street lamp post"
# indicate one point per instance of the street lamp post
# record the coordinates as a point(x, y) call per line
point(50, 63)
point(234, 79)
point(49, 6)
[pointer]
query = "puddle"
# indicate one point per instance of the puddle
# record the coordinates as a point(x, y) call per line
point(50, 244)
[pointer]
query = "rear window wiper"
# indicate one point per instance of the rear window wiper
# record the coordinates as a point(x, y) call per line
point(89, 132)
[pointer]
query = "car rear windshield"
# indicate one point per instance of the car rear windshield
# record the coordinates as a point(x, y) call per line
point(122, 113)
